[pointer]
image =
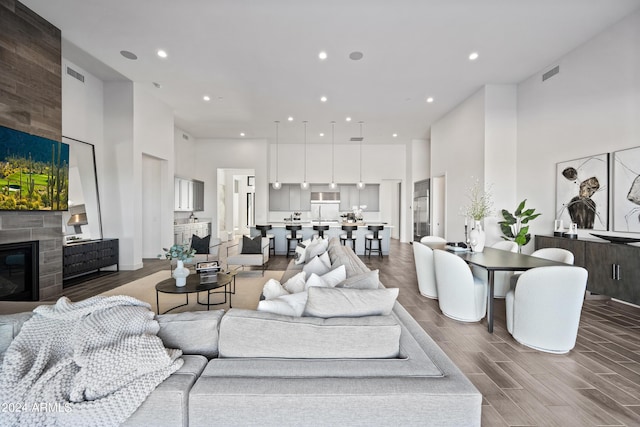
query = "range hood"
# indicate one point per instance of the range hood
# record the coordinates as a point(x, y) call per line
point(325, 197)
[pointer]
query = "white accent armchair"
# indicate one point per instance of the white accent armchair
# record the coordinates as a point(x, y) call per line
point(501, 279)
point(425, 270)
point(461, 296)
point(543, 312)
point(236, 257)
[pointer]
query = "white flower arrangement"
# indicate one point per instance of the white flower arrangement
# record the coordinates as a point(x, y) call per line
point(480, 202)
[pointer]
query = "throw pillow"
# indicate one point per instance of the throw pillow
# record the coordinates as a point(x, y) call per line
point(316, 265)
point(324, 257)
point(327, 280)
point(340, 302)
point(317, 247)
point(251, 245)
point(273, 289)
point(287, 305)
point(300, 257)
point(296, 283)
point(200, 244)
point(368, 280)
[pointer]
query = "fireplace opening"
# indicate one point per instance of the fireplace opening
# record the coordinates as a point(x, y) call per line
point(19, 278)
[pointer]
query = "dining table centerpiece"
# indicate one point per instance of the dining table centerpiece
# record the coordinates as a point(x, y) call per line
point(479, 207)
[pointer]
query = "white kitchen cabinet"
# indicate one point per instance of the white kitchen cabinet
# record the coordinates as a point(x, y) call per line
point(189, 195)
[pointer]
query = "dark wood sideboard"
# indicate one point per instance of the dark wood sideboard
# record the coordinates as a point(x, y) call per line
point(614, 268)
point(86, 257)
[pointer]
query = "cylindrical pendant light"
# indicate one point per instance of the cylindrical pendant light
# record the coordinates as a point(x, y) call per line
point(333, 184)
point(360, 184)
point(277, 185)
point(305, 185)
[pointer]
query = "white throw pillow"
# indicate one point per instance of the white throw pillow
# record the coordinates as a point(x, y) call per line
point(316, 265)
point(273, 289)
point(296, 283)
point(317, 247)
point(301, 256)
point(328, 280)
point(287, 305)
point(324, 257)
point(342, 302)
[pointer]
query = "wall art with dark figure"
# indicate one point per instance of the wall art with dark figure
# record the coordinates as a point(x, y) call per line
point(582, 192)
point(626, 190)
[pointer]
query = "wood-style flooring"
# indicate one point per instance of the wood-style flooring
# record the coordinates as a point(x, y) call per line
point(596, 384)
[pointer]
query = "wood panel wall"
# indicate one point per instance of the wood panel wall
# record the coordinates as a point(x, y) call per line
point(30, 67)
point(31, 101)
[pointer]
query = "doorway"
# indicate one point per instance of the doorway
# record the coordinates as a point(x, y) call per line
point(438, 204)
point(236, 202)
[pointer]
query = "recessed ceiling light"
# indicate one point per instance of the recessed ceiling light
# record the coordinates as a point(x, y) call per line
point(348, 119)
point(206, 98)
point(161, 53)
point(395, 135)
point(473, 56)
point(323, 98)
point(430, 99)
point(129, 55)
point(356, 56)
point(322, 55)
point(321, 134)
point(290, 119)
point(241, 133)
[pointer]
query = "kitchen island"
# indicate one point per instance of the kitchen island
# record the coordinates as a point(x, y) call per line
point(335, 229)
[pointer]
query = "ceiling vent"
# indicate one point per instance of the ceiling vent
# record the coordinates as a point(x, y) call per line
point(76, 75)
point(185, 136)
point(356, 139)
point(552, 72)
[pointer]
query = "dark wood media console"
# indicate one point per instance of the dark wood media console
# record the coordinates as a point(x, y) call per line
point(614, 268)
point(86, 257)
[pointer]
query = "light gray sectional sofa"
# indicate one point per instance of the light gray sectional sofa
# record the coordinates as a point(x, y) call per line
point(251, 368)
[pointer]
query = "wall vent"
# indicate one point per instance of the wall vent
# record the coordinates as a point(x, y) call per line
point(185, 136)
point(356, 138)
point(552, 72)
point(76, 75)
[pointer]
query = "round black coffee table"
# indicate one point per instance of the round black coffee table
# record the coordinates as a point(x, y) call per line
point(197, 283)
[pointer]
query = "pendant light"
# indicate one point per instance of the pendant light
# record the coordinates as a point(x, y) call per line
point(360, 184)
point(305, 185)
point(277, 184)
point(333, 184)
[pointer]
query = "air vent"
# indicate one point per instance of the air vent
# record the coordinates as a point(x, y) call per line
point(185, 136)
point(76, 75)
point(356, 138)
point(552, 72)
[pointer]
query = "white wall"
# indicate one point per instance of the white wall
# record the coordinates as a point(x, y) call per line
point(591, 107)
point(457, 151)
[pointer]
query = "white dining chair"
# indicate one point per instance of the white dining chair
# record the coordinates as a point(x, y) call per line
point(461, 296)
point(434, 242)
point(552, 254)
point(543, 312)
point(425, 270)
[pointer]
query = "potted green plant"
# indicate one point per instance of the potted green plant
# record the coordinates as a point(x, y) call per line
point(515, 226)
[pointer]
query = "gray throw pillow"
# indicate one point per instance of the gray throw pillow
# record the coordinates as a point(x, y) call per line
point(340, 302)
point(251, 246)
point(368, 280)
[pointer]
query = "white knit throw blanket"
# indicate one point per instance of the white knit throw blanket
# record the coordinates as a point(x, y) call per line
point(90, 363)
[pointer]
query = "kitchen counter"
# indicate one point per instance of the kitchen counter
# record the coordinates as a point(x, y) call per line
point(335, 230)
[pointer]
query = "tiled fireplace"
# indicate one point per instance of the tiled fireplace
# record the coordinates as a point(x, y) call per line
point(46, 229)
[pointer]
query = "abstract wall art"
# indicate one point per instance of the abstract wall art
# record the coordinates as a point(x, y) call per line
point(582, 192)
point(626, 190)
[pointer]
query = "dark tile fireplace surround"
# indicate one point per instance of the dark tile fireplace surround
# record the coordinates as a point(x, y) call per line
point(46, 229)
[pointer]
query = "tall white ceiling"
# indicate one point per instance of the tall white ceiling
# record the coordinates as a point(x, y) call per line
point(258, 59)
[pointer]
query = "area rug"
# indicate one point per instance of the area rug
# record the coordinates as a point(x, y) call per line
point(248, 288)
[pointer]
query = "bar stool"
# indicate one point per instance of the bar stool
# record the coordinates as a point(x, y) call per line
point(349, 235)
point(272, 238)
point(321, 229)
point(370, 238)
point(293, 237)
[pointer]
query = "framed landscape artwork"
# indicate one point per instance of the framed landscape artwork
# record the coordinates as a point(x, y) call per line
point(626, 190)
point(582, 192)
